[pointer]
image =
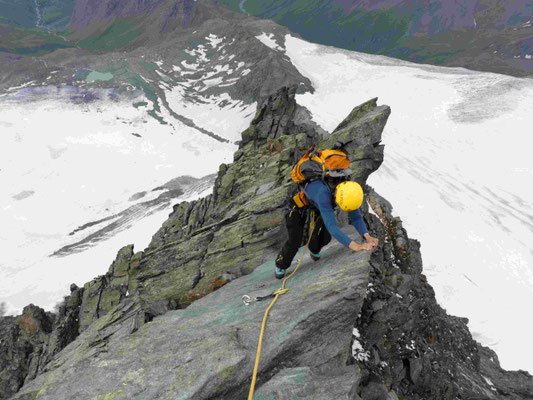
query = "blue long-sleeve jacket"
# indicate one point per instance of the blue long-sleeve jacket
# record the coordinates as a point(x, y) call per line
point(318, 194)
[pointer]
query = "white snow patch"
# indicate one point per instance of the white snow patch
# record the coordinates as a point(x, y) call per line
point(268, 40)
point(11, 89)
point(199, 52)
point(358, 352)
point(193, 66)
point(229, 82)
point(221, 114)
point(487, 380)
point(214, 40)
point(212, 82)
point(222, 68)
point(528, 56)
point(161, 74)
point(411, 346)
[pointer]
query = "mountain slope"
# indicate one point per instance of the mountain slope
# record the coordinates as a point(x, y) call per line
point(47, 14)
point(17, 42)
point(495, 35)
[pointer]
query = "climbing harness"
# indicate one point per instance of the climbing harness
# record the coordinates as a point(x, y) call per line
point(282, 290)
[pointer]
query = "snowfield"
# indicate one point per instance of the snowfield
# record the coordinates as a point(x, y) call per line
point(66, 165)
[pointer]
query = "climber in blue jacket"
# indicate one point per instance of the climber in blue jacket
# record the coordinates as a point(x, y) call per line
point(348, 195)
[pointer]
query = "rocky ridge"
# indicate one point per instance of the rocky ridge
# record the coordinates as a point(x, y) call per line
point(153, 327)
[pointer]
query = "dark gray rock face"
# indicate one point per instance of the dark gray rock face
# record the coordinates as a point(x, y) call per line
point(207, 351)
point(87, 11)
point(407, 343)
point(30, 341)
point(280, 116)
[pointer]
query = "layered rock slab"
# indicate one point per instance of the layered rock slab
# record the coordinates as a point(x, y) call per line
point(208, 350)
point(207, 243)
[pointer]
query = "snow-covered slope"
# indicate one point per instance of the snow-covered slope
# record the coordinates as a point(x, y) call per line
point(82, 149)
point(458, 168)
point(78, 183)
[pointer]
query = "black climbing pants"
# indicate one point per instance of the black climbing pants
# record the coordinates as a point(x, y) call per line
point(295, 221)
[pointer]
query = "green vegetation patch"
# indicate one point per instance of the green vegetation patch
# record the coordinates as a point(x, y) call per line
point(148, 66)
point(96, 76)
point(231, 4)
point(374, 32)
point(121, 70)
point(30, 41)
point(116, 36)
point(50, 17)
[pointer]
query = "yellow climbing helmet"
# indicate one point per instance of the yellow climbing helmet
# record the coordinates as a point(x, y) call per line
point(349, 195)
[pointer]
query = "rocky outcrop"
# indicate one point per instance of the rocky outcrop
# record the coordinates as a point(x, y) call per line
point(405, 343)
point(280, 116)
point(106, 292)
point(207, 351)
point(21, 341)
point(30, 341)
point(207, 243)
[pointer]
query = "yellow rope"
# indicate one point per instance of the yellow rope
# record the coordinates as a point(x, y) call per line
point(278, 292)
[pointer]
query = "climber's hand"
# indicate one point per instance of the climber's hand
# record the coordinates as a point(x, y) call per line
point(371, 240)
point(358, 247)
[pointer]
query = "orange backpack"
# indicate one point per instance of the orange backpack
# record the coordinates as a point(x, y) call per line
point(316, 165)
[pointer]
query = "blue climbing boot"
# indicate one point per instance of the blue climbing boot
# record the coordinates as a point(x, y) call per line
point(279, 273)
point(314, 256)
